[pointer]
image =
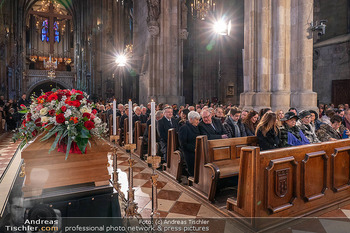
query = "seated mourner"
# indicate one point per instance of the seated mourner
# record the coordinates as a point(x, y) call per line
point(187, 138)
point(267, 132)
point(291, 135)
point(304, 123)
point(211, 127)
point(164, 124)
point(334, 131)
point(233, 124)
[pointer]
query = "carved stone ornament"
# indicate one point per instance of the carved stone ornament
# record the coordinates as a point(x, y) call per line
point(281, 182)
point(153, 30)
point(183, 34)
point(153, 10)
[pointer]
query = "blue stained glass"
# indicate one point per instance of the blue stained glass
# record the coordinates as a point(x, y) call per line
point(44, 31)
point(57, 33)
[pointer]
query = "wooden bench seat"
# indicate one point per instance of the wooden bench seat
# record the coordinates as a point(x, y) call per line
point(226, 168)
point(174, 156)
point(139, 131)
point(215, 160)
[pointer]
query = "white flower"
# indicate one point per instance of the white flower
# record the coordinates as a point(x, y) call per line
point(43, 111)
point(97, 120)
point(44, 119)
point(85, 109)
point(67, 113)
point(66, 122)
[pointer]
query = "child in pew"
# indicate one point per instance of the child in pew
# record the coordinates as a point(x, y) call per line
point(267, 132)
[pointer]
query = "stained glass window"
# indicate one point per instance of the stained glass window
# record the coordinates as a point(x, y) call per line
point(57, 33)
point(45, 31)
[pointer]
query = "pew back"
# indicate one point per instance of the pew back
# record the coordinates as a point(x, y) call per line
point(216, 159)
point(294, 181)
point(111, 123)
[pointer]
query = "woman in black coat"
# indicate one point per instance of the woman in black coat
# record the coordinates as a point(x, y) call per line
point(187, 138)
point(267, 132)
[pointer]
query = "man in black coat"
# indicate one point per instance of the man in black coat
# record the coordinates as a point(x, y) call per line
point(187, 138)
point(23, 101)
point(233, 124)
point(164, 124)
point(211, 127)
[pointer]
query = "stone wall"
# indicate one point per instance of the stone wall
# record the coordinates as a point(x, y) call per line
point(331, 62)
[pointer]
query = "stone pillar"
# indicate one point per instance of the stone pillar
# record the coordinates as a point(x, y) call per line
point(165, 70)
point(263, 45)
point(249, 65)
point(302, 96)
point(278, 55)
point(280, 98)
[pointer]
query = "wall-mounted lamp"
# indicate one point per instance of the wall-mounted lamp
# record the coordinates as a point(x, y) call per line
point(320, 28)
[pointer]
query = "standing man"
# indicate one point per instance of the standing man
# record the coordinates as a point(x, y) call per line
point(164, 124)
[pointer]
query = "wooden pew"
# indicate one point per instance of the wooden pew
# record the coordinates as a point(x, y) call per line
point(102, 116)
point(291, 182)
point(138, 136)
point(214, 160)
point(174, 158)
point(126, 131)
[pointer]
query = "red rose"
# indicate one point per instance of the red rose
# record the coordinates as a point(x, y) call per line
point(59, 96)
point(38, 122)
point(94, 111)
point(79, 97)
point(89, 125)
point(86, 114)
point(60, 118)
point(34, 133)
point(88, 101)
point(23, 106)
point(48, 93)
point(52, 112)
point(76, 103)
point(29, 115)
point(52, 97)
point(24, 123)
point(63, 108)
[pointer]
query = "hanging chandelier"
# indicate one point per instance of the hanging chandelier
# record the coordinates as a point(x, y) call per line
point(51, 66)
point(201, 8)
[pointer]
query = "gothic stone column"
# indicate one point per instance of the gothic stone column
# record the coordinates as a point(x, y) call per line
point(166, 51)
point(302, 96)
point(278, 55)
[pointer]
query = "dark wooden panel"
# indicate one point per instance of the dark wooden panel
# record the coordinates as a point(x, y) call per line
point(221, 153)
point(281, 177)
point(340, 91)
point(340, 173)
point(314, 175)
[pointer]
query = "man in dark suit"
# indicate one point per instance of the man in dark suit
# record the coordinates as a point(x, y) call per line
point(211, 127)
point(164, 124)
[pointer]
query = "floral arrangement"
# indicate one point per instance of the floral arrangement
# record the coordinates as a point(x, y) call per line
point(67, 115)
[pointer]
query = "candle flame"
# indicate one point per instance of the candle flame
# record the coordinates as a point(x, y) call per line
point(152, 100)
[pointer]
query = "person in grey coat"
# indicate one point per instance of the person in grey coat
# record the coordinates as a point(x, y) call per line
point(304, 123)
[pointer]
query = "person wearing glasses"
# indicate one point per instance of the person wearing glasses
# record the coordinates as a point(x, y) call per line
point(304, 123)
point(291, 135)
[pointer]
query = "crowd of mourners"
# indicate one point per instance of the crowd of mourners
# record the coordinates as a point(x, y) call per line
point(273, 129)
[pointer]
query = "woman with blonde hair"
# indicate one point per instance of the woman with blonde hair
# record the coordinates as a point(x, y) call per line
point(267, 132)
point(279, 115)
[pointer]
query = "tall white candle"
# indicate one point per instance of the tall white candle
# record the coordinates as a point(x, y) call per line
point(114, 117)
point(130, 122)
point(153, 128)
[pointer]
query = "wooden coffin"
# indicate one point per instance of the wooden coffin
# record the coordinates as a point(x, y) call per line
point(45, 170)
